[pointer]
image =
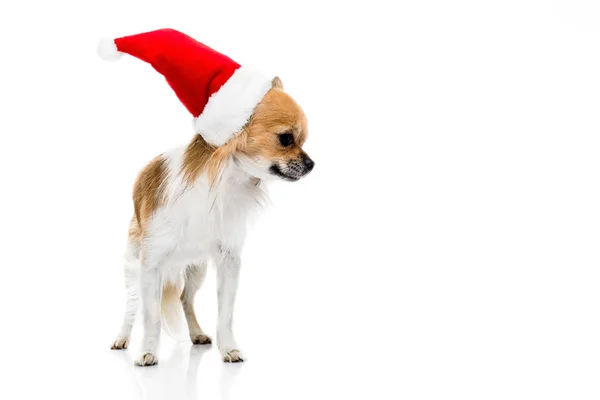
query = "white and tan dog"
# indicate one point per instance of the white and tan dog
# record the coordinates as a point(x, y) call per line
point(191, 207)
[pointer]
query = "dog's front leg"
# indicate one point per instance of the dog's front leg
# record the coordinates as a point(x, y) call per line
point(228, 270)
point(150, 291)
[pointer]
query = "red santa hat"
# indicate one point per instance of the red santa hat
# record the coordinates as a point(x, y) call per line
point(220, 93)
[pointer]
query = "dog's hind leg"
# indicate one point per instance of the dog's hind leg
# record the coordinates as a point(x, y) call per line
point(132, 268)
point(122, 340)
point(194, 276)
point(151, 284)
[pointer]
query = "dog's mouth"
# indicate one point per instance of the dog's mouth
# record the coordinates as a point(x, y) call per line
point(291, 176)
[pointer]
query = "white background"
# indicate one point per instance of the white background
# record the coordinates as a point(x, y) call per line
point(444, 247)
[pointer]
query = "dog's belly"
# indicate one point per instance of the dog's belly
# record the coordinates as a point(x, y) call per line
point(184, 254)
point(179, 240)
point(185, 257)
point(196, 243)
point(176, 263)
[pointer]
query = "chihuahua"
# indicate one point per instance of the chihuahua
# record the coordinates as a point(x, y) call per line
point(191, 207)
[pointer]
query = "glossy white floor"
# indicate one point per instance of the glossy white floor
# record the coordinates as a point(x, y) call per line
point(432, 333)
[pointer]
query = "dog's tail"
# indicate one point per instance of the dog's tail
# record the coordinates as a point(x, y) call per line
point(171, 310)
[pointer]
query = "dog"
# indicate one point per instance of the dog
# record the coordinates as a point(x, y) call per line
point(191, 207)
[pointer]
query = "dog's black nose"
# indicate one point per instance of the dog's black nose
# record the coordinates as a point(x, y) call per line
point(308, 163)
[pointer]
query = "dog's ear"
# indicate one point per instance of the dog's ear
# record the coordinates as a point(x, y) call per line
point(276, 82)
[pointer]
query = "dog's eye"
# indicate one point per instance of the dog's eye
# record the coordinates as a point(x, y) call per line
point(286, 139)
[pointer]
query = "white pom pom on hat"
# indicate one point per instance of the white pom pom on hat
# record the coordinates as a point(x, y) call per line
point(107, 50)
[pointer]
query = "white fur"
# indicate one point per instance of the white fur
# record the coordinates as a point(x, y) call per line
point(196, 225)
point(132, 270)
point(107, 50)
point(230, 108)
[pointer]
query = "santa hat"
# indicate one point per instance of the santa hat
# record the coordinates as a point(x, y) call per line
point(220, 93)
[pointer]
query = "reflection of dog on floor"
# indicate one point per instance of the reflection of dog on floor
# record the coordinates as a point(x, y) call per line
point(192, 203)
point(178, 379)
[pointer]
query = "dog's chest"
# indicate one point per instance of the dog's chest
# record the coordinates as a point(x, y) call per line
point(204, 221)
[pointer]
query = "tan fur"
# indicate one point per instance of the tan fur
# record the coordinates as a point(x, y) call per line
point(196, 156)
point(277, 113)
point(170, 306)
point(135, 232)
point(149, 190)
point(276, 83)
point(200, 157)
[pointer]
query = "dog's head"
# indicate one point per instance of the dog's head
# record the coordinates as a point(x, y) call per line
point(271, 143)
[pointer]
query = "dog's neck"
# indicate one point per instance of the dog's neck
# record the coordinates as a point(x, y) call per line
point(231, 180)
point(236, 192)
point(233, 175)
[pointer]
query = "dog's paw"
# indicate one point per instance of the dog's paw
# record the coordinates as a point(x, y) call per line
point(146, 360)
point(120, 344)
point(232, 356)
point(201, 338)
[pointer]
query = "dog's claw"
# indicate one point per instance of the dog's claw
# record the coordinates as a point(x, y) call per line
point(146, 360)
point(201, 339)
point(233, 356)
point(120, 344)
